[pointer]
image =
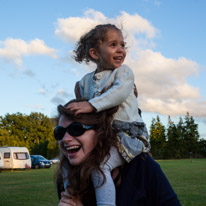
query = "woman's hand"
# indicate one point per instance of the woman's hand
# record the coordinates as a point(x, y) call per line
point(68, 200)
point(81, 107)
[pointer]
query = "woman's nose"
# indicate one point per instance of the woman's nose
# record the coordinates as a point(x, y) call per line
point(67, 137)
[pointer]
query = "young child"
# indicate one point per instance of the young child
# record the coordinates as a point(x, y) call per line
point(111, 84)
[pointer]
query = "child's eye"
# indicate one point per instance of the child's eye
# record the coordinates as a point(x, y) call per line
point(112, 44)
point(123, 45)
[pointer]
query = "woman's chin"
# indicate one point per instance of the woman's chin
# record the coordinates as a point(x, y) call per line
point(76, 158)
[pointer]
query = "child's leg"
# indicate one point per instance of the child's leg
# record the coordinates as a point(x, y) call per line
point(106, 193)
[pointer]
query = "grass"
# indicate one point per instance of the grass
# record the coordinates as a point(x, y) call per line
point(37, 188)
point(28, 188)
point(188, 179)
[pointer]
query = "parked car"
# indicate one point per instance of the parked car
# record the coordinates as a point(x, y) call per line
point(54, 161)
point(39, 161)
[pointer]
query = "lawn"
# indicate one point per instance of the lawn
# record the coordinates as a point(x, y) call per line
point(188, 178)
point(37, 188)
point(34, 187)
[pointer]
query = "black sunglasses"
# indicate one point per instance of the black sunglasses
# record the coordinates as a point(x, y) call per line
point(75, 129)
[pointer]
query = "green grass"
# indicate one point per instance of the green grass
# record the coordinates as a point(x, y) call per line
point(188, 179)
point(28, 188)
point(37, 188)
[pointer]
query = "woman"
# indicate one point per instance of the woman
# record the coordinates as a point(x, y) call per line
point(85, 142)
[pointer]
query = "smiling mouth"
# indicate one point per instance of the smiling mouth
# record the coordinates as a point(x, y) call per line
point(73, 149)
point(118, 58)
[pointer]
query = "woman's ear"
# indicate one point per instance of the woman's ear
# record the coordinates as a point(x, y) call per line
point(93, 53)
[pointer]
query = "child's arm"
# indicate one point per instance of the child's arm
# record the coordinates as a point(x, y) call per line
point(119, 91)
point(122, 86)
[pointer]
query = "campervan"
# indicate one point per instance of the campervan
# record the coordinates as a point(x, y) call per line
point(1, 162)
point(15, 157)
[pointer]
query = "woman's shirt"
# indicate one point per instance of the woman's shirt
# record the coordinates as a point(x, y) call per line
point(111, 88)
point(143, 183)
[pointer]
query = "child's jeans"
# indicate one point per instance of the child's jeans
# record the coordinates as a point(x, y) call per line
point(106, 193)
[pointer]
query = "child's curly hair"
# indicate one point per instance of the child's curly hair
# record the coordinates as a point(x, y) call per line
point(92, 39)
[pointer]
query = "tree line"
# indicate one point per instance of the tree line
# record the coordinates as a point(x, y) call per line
point(35, 131)
point(179, 140)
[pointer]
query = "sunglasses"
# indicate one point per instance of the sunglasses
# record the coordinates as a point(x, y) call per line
point(75, 129)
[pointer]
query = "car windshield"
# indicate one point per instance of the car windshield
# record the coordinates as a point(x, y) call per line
point(40, 158)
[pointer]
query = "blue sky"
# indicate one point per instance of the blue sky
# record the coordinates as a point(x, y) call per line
point(166, 50)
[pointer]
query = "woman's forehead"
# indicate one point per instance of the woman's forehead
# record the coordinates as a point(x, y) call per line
point(64, 120)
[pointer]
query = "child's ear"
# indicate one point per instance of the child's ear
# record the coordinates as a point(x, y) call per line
point(93, 53)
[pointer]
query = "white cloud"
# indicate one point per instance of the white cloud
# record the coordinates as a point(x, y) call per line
point(14, 49)
point(161, 82)
point(72, 28)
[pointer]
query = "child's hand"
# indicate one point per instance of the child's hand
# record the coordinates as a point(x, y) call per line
point(81, 107)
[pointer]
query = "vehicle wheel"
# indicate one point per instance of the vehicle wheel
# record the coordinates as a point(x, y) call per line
point(36, 166)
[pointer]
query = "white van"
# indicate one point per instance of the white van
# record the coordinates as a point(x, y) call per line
point(1, 163)
point(15, 157)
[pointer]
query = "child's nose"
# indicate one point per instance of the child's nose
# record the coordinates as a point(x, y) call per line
point(120, 49)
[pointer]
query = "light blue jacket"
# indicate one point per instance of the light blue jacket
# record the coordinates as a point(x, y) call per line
point(110, 88)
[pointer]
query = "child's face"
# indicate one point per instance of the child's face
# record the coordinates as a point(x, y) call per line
point(112, 51)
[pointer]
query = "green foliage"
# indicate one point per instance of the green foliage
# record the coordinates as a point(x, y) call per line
point(34, 131)
point(177, 141)
point(157, 138)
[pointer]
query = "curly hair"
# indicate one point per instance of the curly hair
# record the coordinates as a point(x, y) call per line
point(92, 39)
point(79, 176)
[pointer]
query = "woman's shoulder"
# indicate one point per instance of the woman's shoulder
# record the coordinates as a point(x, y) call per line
point(145, 162)
point(144, 177)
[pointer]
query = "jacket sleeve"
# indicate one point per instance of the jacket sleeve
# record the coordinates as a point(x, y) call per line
point(118, 92)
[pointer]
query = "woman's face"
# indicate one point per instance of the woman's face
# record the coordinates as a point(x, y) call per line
point(76, 149)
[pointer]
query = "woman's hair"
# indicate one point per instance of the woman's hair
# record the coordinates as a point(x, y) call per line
point(92, 39)
point(79, 176)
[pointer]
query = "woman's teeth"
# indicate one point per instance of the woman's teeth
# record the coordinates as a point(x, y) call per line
point(73, 149)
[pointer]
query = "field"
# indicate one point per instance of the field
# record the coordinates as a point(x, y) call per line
point(37, 187)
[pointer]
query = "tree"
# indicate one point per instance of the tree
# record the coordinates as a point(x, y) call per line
point(34, 131)
point(190, 136)
point(202, 148)
point(157, 138)
point(174, 134)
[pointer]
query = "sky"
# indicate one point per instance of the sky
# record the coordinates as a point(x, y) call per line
point(166, 51)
